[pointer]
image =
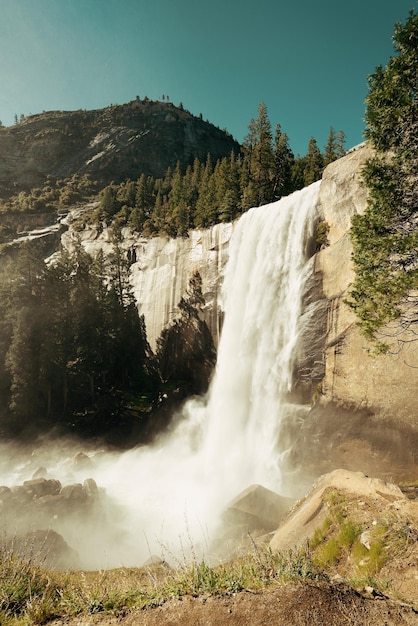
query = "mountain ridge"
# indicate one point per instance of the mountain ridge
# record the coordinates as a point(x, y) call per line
point(109, 145)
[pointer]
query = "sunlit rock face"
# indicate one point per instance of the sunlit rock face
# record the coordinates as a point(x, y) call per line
point(365, 405)
point(162, 267)
point(162, 271)
point(353, 374)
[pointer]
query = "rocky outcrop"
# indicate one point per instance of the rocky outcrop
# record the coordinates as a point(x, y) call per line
point(354, 375)
point(256, 509)
point(365, 413)
point(310, 513)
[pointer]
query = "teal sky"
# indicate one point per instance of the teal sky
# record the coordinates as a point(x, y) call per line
point(308, 61)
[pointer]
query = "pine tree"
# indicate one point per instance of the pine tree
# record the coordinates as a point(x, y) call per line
point(179, 209)
point(314, 163)
point(259, 156)
point(385, 239)
point(283, 163)
point(297, 173)
point(334, 148)
point(206, 209)
point(23, 365)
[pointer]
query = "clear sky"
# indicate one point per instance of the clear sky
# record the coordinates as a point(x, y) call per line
point(308, 61)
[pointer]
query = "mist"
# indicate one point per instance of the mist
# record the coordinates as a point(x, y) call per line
point(167, 499)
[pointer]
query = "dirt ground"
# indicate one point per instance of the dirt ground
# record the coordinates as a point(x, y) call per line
point(301, 605)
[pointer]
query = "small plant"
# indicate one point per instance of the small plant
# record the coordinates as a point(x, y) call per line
point(348, 533)
point(25, 588)
point(321, 235)
point(329, 553)
point(320, 534)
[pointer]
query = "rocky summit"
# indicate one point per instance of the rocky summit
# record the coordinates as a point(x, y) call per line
point(111, 144)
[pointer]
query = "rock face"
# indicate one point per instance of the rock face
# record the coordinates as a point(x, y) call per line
point(332, 350)
point(109, 144)
point(385, 384)
point(365, 404)
point(366, 411)
point(162, 269)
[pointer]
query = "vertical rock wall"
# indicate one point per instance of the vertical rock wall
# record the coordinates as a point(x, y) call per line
point(354, 376)
point(161, 269)
point(332, 349)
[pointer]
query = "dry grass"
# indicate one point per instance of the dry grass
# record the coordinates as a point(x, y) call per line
point(30, 594)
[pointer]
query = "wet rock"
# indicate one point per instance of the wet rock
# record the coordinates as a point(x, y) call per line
point(75, 493)
point(41, 472)
point(82, 461)
point(5, 494)
point(90, 488)
point(257, 508)
point(39, 487)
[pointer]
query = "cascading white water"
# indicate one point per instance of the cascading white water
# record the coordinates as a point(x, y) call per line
point(263, 288)
point(229, 440)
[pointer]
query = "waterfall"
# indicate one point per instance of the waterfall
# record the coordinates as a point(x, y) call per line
point(164, 496)
point(221, 444)
point(263, 288)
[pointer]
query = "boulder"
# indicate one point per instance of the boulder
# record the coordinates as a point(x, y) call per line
point(41, 472)
point(90, 488)
point(39, 487)
point(82, 461)
point(256, 508)
point(310, 513)
point(46, 547)
point(5, 494)
point(75, 493)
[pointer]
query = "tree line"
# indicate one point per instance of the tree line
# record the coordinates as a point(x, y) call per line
point(203, 194)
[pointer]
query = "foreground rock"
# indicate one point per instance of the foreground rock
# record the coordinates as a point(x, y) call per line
point(36, 517)
point(46, 547)
point(311, 512)
point(358, 528)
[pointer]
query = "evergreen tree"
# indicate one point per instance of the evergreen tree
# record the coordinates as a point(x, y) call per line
point(283, 163)
point(334, 148)
point(185, 350)
point(314, 163)
point(297, 173)
point(206, 209)
point(259, 156)
point(126, 193)
point(179, 209)
point(385, 239)
point(23, 365)
point(109, 204)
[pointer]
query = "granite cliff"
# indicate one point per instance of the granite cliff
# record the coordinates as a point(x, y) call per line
point(365, 404)
point(366, 411)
